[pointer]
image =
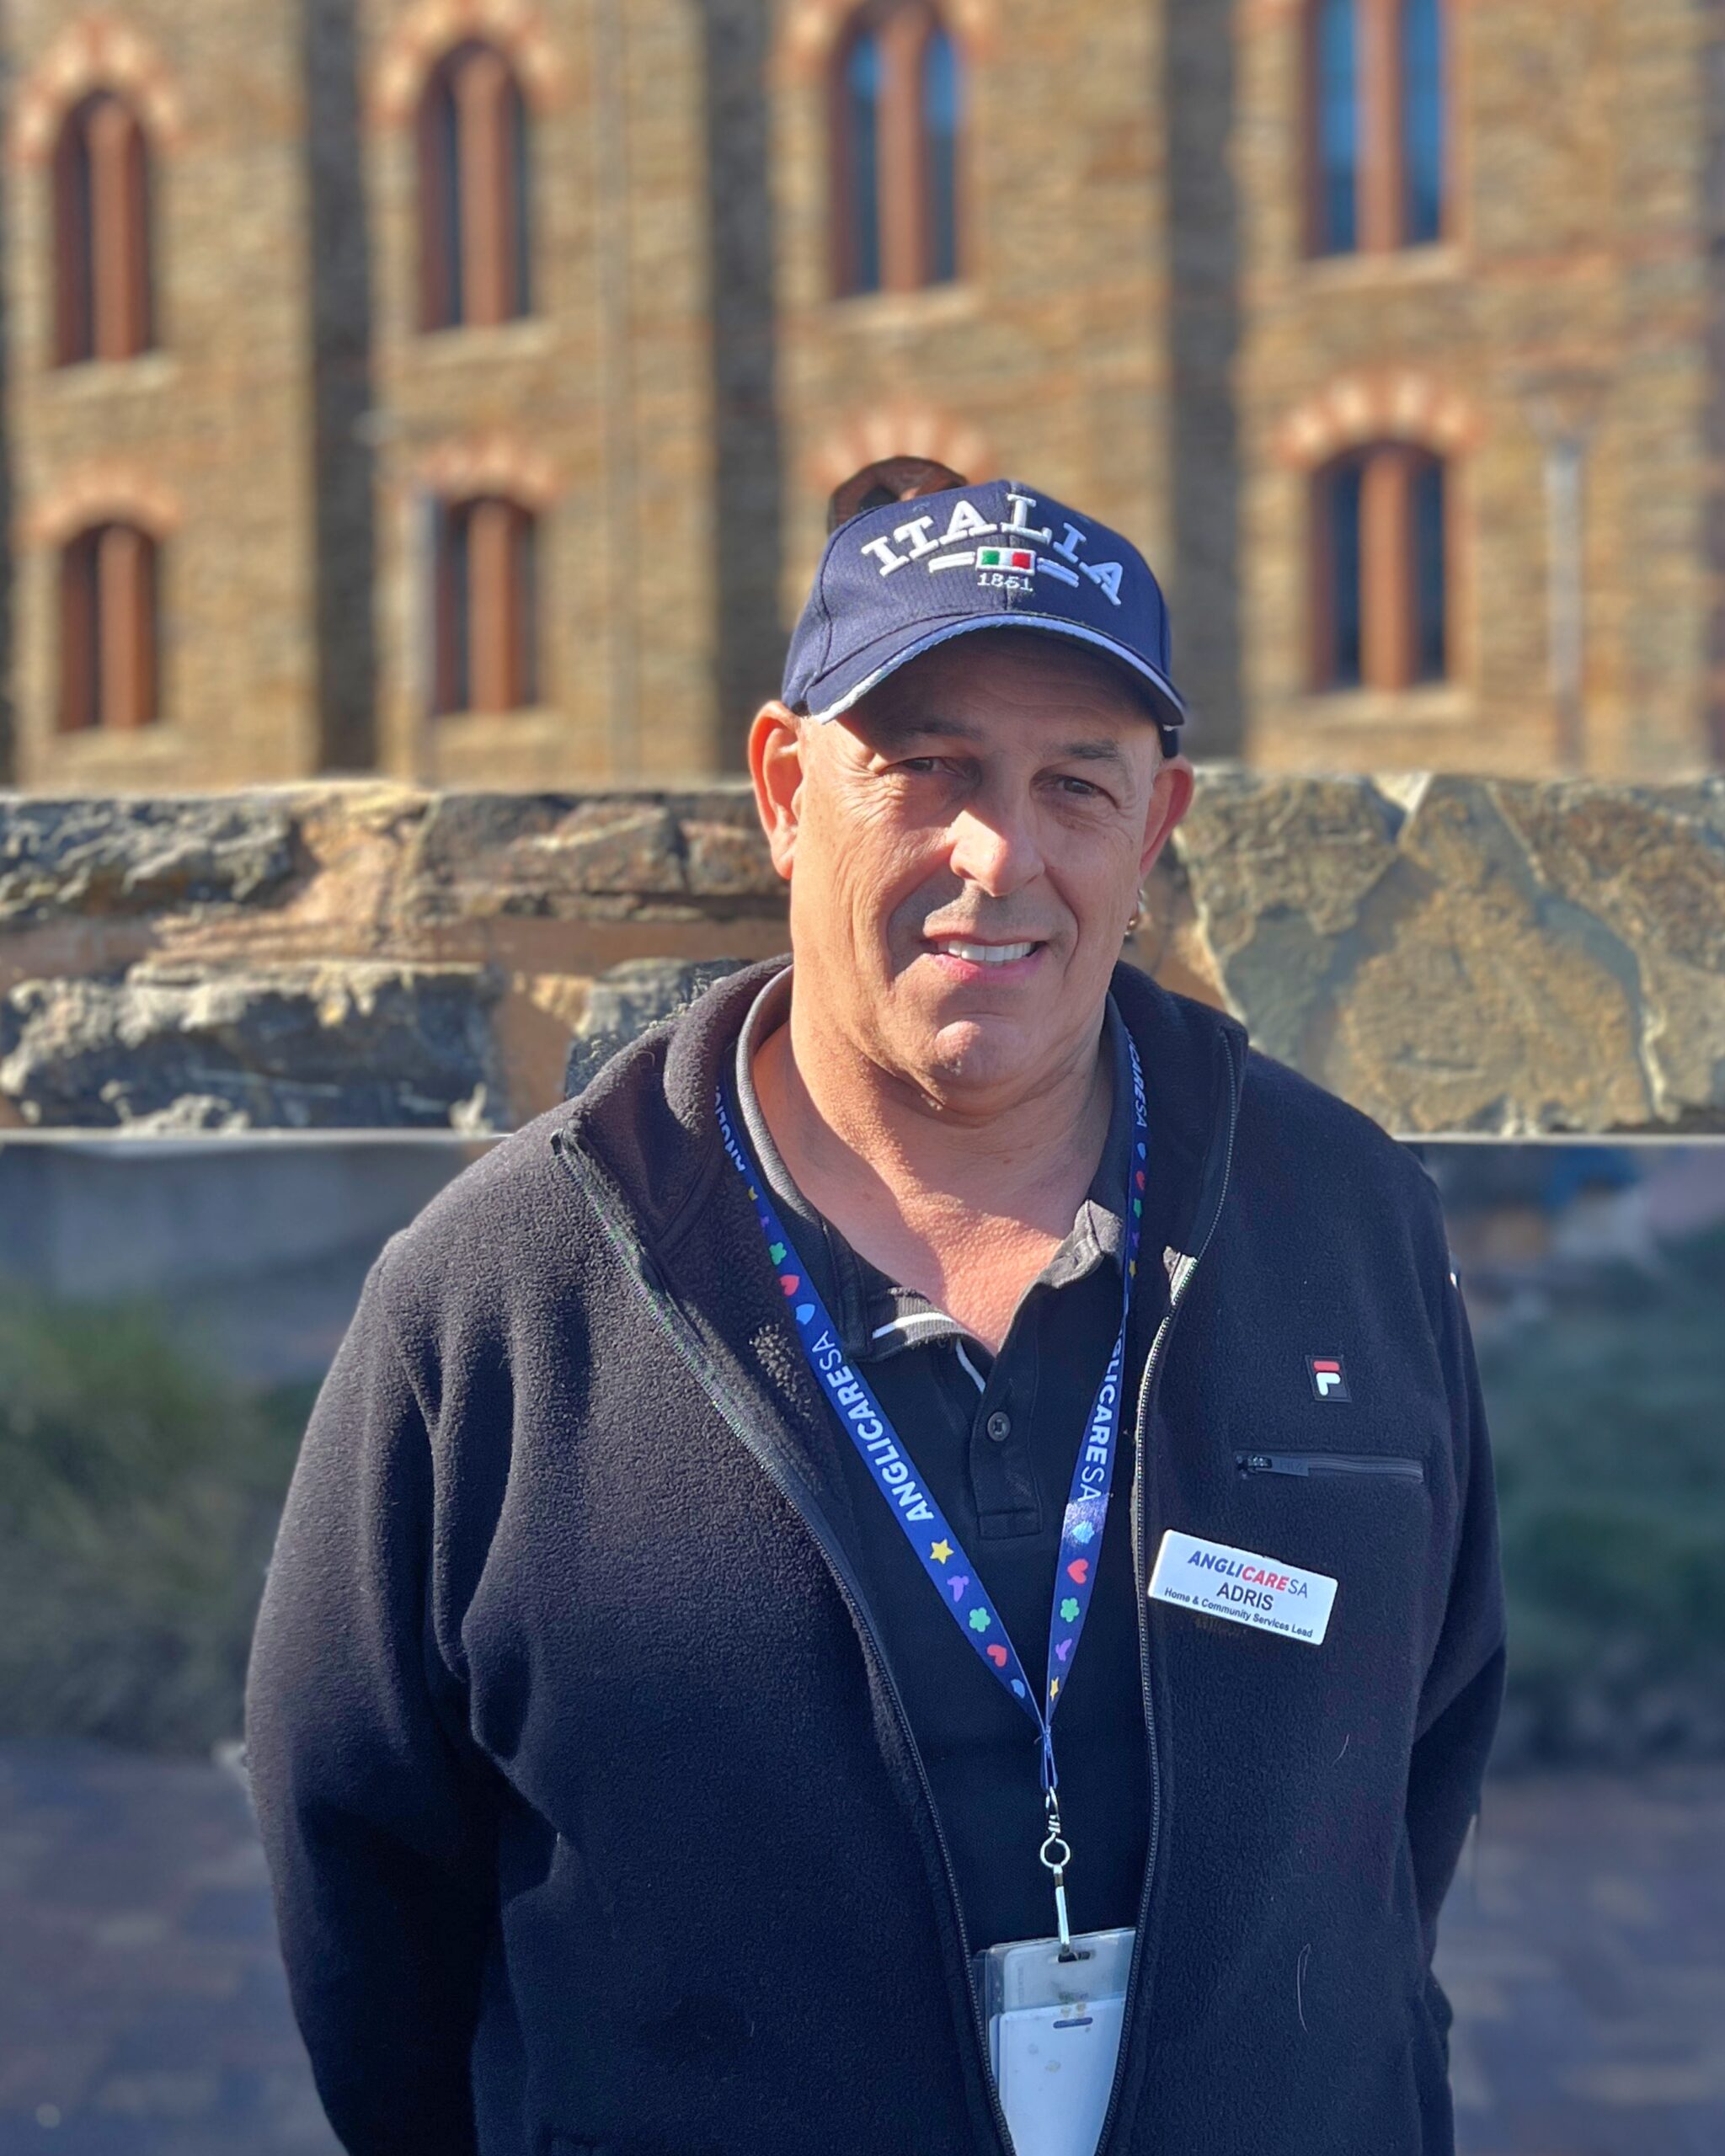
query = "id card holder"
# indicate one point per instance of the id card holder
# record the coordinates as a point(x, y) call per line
point(1053, 2035)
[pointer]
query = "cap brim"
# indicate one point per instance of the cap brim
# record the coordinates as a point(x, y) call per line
point(1171, 710)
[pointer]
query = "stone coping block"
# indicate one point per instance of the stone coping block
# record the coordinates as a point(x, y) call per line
point(1452, 954)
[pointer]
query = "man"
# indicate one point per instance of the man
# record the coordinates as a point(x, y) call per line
point(939, 1451)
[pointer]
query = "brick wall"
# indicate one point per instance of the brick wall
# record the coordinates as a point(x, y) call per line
point(594, 407)
point(1134, 328)
point(1045, 361)
point(1569, 296)
point(205, 440)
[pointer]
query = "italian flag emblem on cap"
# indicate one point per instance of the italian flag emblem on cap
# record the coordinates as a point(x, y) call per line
point(1005, 557)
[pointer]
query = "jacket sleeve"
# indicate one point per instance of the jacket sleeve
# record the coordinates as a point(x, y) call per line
point(1464, 1684)
point(376, 1818)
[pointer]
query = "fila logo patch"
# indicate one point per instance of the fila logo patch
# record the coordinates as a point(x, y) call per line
point(1327, 1381)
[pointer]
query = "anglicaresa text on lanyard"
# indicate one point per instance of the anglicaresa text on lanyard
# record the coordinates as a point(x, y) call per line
point(951, 1573)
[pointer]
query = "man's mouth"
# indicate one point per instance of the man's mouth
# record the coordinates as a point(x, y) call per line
point(981, 954)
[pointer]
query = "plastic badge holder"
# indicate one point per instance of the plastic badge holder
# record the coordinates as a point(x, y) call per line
point(1053, 2035)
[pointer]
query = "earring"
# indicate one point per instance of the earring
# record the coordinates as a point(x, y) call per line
point(1134, 919)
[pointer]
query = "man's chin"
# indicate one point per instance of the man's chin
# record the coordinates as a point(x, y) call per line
point(979, 1051)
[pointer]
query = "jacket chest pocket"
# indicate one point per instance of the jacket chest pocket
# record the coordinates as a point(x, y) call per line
point(1337, 1512)
point(1365, 1520)
point(1306, 1464)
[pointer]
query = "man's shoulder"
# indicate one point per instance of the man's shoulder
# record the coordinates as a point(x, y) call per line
point(503, 1228)
point(1286, 1100)
point(1331, 1155)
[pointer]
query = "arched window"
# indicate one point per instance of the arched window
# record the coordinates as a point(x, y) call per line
point(108, 628)
point(485, 606)
point(1380, 575)
point(474, 238)
point(1376, 125)
point(898, 127)
point(102, 277)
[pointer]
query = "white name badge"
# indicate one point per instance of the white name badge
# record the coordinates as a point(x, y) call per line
point(1240, 1584)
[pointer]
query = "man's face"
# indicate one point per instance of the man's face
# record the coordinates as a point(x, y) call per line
point(964, 850)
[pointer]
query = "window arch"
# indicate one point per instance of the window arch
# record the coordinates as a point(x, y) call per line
point(484, 606)
point(898, 97)
point(1376, 124)
point(108, 628)
point(1381, 546)
point(102, 303)
point(475, 245)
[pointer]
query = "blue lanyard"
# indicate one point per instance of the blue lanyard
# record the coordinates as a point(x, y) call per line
point(926, 1528)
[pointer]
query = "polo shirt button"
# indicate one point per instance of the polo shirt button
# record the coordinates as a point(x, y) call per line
point(999, 1427)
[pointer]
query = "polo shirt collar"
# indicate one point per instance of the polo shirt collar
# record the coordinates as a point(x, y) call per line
point(876, 1316)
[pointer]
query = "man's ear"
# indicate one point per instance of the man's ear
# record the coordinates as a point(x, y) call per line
point(1170, 797)
point(776, 766)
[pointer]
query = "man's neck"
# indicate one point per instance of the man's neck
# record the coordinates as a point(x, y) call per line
point(965, 1203)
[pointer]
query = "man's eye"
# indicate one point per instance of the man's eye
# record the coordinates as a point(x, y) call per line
point(1081, 789)
point(919, 765)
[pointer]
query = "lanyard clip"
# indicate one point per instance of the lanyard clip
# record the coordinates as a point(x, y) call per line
point(1056, 1855)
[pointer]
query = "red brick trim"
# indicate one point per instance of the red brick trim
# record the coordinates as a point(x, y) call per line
point(427, 30)
point(812, 30)
point(1390, 404)
point(99, 53)
point(487, 464)
point(902, 429)
point(101, 494)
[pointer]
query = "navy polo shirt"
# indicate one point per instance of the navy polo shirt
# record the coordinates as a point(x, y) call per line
point(996, 1438)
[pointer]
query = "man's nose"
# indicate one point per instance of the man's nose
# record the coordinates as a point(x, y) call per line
point(994, 847)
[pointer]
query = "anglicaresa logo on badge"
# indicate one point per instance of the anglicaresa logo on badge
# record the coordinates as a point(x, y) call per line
point(1012, 563)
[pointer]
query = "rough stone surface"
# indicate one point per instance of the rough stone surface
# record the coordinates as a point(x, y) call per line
point(555, 855)
point(1450, 955)
point(169, 1047)
point(1465, 954)
point(94, 857)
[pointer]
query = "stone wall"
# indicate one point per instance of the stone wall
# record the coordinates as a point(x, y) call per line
point(1451, 954)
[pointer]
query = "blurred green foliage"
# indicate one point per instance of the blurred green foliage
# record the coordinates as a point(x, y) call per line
point(1607, 1416)
point(140, 1487)
point(139, 1491)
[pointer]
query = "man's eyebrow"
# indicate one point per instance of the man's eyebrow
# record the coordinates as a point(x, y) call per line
point(1103, 752)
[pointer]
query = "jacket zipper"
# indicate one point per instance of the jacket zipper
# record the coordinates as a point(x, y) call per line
point(1330, 1463)
point(681, 1336)
point(1179, 1281)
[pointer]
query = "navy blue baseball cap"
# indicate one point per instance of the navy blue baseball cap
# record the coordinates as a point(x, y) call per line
point(898, 579)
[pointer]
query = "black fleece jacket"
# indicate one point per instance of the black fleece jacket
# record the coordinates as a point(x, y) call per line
point(593, 1816)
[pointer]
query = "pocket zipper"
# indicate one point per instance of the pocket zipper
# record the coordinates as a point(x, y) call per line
point(1329, 1462)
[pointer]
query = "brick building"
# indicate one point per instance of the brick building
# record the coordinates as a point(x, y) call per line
point(452, 388)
